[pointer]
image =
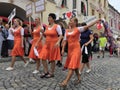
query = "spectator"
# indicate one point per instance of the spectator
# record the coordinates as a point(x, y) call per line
point(10, 39)
point(1, 35)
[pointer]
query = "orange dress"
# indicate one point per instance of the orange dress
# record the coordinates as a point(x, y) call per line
point(36, 36)
point(74, 50)
point(17, 50)
point(49, 51)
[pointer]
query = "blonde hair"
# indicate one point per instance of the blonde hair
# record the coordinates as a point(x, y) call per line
point(19, 21)
point(75, 20)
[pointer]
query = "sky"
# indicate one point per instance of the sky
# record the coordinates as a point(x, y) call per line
point(115, 4)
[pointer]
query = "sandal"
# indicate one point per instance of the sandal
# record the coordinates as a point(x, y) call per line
point(76, 82)
point(49, 75)
point(63, 84)
point(44, 75)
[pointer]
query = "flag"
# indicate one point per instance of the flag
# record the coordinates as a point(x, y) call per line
point(12, 15)
point(99, 26)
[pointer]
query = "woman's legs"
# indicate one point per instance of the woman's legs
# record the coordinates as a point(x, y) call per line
point(23, 59)
point(52, 67)
point(69, 75)
point(45, 65)
point(37, 64)
point(82, 67)
point(13, 61)
point(78, 74)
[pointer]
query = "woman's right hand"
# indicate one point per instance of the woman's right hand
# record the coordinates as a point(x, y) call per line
point(62, 52)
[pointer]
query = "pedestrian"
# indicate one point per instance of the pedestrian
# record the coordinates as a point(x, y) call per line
point(102, 44)
point(59, 63)
point(10, 39)
point(72, 36)
point(36, 43)
point(85, 41)
point(51, 48)
point(118, 46)
point(18, 49)
point(5, 44)
point(1, 35)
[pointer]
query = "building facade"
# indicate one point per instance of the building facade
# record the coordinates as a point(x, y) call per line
point(84, 10)
point(114, 20)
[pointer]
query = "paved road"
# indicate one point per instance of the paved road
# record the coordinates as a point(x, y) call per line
point(105, 75)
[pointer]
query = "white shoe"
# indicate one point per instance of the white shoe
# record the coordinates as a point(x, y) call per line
point(26, 64)
point(79, 72)
point(89, 70)
point(35, 72)
point(9, 68)
point(31, 60)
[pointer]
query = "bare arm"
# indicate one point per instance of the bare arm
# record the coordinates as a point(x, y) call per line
point(91, 24)
point(91, 39)
point(63, 46)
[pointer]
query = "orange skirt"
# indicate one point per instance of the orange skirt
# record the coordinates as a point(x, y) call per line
point(50, 52)
point(73, 59)
point(39, 48)
point(17, 49)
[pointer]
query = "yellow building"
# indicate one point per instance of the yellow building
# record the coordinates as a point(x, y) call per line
point(63, 8)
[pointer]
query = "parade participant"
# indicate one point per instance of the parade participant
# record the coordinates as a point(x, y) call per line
point(36, 43)
point(85, 40)
point(51, 48)
point(18, 49)
point(72, 36)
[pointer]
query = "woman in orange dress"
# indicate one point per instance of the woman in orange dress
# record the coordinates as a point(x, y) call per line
point(51, 48)
point(36, 43)
point(72, 36)
point(18, 49)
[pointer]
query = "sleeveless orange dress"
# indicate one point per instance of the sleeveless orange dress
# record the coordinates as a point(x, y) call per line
point(74, 50)
point(36, 36)
point(18, 50)
point(49, 51)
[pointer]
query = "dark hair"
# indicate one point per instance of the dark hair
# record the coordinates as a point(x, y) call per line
point(52, 15)
point(83, 24)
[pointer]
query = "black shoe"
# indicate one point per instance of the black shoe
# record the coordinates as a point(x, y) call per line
point(59, 65)
point(98, 56)
point(44, 75)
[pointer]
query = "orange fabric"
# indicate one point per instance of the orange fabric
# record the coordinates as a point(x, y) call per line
point(74, 50)
point(36, 36)
point(49, 51)
point(17, 50)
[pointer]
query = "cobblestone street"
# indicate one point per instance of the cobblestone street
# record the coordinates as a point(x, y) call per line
point(105, 75)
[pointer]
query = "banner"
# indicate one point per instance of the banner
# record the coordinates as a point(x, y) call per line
point(12, 15)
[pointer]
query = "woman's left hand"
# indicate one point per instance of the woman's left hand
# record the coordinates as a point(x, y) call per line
point(57, 44)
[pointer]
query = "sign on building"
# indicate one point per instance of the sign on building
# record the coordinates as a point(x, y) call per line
point(39, 6)
point(29, 10)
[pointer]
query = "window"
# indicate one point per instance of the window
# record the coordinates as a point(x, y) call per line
point(104, 3)
point(74, 4)
point(64, 3)
point(99, 15)
point(52, 0)
point(83, 9)
point(93, 12)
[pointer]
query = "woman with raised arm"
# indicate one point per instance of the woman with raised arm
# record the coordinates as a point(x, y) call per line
point(18, 49)
point(72, 36)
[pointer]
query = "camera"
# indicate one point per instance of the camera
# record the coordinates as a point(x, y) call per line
point(1, 27)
